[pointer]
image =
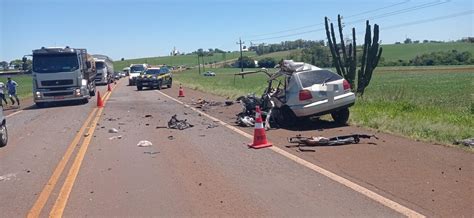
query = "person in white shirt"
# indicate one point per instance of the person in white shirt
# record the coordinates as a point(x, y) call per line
point(2, 94)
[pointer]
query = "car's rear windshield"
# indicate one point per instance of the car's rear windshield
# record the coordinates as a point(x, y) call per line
point(310, 78)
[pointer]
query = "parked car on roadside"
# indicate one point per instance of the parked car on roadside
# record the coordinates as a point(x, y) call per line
point(3, 129)
point(155, 78)
point(209, 73)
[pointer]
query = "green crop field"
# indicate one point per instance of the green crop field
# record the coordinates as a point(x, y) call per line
point(396, 52)
point(25, 85)
point(429, 105)
point(189, 60)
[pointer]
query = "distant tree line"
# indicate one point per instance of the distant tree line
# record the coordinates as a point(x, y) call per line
point(452, 57)
point(285, 46)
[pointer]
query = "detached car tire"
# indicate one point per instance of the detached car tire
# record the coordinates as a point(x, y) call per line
point(139, 88)
point(341, 116)
point(3, 134)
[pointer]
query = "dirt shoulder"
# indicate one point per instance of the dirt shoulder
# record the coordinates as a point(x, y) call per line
point(433, 179)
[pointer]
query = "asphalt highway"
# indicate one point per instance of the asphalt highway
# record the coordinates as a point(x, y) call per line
point(80, 160)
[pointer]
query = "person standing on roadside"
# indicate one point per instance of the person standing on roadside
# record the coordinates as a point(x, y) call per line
point(2, 94)
point(11, 87)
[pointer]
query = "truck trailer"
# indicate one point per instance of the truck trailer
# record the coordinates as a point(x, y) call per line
point(62, 74)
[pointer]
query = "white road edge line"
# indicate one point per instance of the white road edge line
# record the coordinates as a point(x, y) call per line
point(14, 113)
point(362, 190)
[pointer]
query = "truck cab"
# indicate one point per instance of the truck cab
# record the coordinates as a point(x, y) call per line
point(62, 74)
point(105, 69)
point(135, 71)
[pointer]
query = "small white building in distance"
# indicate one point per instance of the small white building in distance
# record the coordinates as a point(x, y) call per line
point(174, 52)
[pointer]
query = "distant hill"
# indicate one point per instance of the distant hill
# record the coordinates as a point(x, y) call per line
point(189, 60)
point(392, 52)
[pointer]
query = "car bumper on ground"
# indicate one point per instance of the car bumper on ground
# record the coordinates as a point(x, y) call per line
point(321, 107)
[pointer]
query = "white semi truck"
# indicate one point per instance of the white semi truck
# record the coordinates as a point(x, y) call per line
point(62, 74)
point(105, 69)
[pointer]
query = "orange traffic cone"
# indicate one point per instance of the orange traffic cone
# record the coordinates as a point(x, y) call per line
point(100, 103)
point(108, 87)
point(259, 136)
point(181, 91)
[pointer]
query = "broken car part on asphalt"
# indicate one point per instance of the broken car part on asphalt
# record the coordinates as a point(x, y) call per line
point(144, 143)
point(175, 123)
point(302, 141)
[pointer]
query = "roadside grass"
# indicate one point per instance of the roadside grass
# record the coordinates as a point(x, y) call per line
point(427, 105)
point(25, 82)
point(189, 60)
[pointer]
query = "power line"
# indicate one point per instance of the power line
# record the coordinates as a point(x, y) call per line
point(430, 19)
point(405, 10)
point(313, 25)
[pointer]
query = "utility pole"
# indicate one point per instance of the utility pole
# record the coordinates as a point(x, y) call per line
point(203, 64)
point(199, 65)
point(241, 61)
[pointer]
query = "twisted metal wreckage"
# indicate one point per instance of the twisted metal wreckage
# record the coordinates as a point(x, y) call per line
point(272, 102)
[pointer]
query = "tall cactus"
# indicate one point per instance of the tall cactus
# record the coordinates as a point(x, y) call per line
point(347, 65)
point(370, 58)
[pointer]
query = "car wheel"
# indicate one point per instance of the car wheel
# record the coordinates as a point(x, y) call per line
point(341, 116)
point(169, 85)
point(3, 135)
point(84, 101)
point(139, 88)
point(160, 83)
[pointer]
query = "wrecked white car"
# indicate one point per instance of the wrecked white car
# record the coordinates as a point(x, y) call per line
point(303, 91)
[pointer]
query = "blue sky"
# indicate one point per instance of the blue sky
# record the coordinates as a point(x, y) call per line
point(146, 28)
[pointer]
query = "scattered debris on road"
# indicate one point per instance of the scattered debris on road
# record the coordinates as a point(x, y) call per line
point(175, 123)
point(161, 127)
point(121, 124)
point(113, 130)
point(144, 143)
point(151, 152)
point(115, 137)
point(86, 134)
point(228, 102)
point(148, 115)
point(7, 177)
point(302, 141)
point(205, 105)
point(465, 142)
point(212, 125)
point(245, 121)
point(112, 119)
point(171, 137)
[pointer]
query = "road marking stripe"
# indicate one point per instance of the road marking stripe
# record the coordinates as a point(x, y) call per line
point(341, 180)
point(14, 113)
point(38, 206)
point(63, 197)
point(49, 187)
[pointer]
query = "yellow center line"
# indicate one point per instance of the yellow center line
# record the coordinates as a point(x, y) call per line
point(38, 206)
point(63, 197)
point(339, 179)
point(48, 188)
